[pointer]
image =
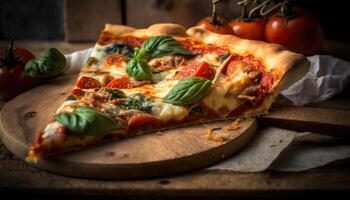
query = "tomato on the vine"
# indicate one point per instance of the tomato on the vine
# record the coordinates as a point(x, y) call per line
point(12, 79)
point(296, 30)
point(217, 26)
point(215, 23)
point(252, 29)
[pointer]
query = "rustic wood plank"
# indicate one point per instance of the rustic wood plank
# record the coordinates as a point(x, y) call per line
point(18, 176)
point(84, 19)
point(319, 120)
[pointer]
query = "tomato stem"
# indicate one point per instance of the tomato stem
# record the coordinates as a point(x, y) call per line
point(287, 12)
point(214, 19)
point(244, 14)
point(9, 59)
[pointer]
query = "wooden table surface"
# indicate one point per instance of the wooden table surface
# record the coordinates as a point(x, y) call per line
point(18, 178)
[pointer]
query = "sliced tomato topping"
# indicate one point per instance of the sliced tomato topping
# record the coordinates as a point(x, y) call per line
point(77, 91)
point(121, 83)
point(87, 83)
point(114, 59)
point(266, 83)
point(143, 121)
point(202, 69)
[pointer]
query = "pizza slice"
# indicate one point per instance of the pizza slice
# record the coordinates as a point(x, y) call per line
point(141, 80)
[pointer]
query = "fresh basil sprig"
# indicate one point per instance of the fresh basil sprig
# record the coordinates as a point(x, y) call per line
point(187, 91)
point(115, 93)
point(161, 46)
point(50, 63)
point(154, 47)
point(138, 69)
point(87, 121)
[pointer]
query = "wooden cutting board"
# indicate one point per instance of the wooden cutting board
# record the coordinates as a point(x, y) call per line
point(156, 154)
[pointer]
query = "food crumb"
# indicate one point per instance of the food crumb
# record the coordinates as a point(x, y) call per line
point(211, 136)
point(233, 126)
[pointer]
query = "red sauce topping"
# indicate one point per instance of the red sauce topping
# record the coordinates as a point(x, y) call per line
point(106, 38)
point(201, 48)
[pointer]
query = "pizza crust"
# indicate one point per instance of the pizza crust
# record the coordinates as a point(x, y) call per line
point(285, 66)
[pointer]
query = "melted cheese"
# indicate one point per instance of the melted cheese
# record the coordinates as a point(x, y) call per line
point(50, 129)
point(211, 59)
point(223, 96)
point(166, 112)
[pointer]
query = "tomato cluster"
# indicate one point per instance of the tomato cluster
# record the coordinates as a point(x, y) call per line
point(291, 27)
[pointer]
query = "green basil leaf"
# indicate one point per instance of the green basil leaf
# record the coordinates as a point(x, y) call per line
point(115, 93)
point(159, 46)
point(121, 48)
point(50, 63)
point(87, 121)
point(70, 98)
point(187, 91)
point(223, 57)
point(138, 69)
point(137, 102)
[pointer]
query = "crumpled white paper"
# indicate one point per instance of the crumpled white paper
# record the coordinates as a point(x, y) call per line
point(327, 77)
point(275, 148)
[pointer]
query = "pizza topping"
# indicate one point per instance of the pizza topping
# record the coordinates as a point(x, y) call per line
point(130, 40)
point(120, 48)
point(168, 112)
point(138, 69)
point(195, 69)
point(187, 91)
point(165, 63)
point(142, 121)
point(154, 47)
point(113, 93)
point(202, 49)
point(77, 92)
point(114, 59)
point(121, 83)
point(159, 46)
point(85, 82)
point(137, 101)
point(87, 121)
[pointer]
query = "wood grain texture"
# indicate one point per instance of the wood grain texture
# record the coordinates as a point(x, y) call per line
point(140, 13)
point(157, 154)
point(327, 121)
point(84, 19)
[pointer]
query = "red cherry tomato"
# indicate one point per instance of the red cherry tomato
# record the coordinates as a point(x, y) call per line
point(121, 83)
point(12, 79)
point(77, 92)
point(217, 27)
point(301, 34)
point(143, 121)
point(252, 30)
point(85, 82)
point(202, 69)
point(114, 58)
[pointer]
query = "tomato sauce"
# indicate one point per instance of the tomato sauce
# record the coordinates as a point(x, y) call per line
point(130, 40)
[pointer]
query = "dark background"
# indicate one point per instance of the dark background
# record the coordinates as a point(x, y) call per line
point(45, 19)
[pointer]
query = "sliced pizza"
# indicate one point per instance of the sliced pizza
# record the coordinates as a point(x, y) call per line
point(140, 80)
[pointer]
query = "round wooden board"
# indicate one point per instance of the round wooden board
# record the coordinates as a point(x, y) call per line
point(151, 155)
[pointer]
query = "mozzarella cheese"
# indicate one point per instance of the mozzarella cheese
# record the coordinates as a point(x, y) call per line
point(210, 58)
point(223, 96)
point(166, 112)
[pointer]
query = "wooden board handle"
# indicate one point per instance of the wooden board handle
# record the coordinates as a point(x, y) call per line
point(326, 121)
